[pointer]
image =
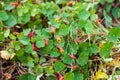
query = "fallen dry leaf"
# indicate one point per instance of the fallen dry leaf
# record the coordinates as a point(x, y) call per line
point(6, 55)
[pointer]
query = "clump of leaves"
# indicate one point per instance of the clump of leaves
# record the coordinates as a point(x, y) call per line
point(57, 39)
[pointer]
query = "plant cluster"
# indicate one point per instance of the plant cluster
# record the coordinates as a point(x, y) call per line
point(59, 39)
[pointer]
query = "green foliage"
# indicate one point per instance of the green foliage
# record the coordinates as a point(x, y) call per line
point(58, 66)
point(27, 76)
point(69, 76)
point(106, 49)
point(78, 75)
point(83, 59)
point(52, 36)
point(3, 15)
point(114, 34)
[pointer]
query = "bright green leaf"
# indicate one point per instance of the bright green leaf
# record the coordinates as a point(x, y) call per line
point(66, 59)
point(78, 75)
point(27, 76)
point(38, 69)
point(11, 21)
point(83, 15)
point(107, 17)
point(29, 48)
point(106, 49)
point(83, 59)
point(59, 66)
point(69, 76)
point(116, 12)
point(3, 15)
point(7, 32)
point(114, 34)
point(40, 42)
point(63, 30)
point(26, 31)
point(89, 27)
point(8, 6)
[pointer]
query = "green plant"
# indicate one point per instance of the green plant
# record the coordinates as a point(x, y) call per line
point(51, 39)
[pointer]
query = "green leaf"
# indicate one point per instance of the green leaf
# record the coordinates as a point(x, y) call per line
point(17, 47)
point(1, 24)
point(49, 70)
point(83, 59)
point(38, 69)
point(84, 47)
point(116, 12)
point(11, 21)
point(106, 49)
point(3, 15)
point(108, 7)
point(20, 53)
point(107, 17)
point(26, 31)
point(30, 64)
point(2, 37)
point(93, 49)
point(40, 42)
point(63, 30)
point(29, 48)
point(7, 32)
point(82, 23)
point(114, 34)
point(51, 78)
point(13, 37)
point(24, 40)
point(73, 47)
point(109, 1)
point(66, 59)
point(89, 27)
point(54, 53)
point(8, 6)
point(94, 17)
point(59, 66)
point(26, 18)
point(69, 76)
point(84, 15)
point(78, 75)
point(27, 76)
